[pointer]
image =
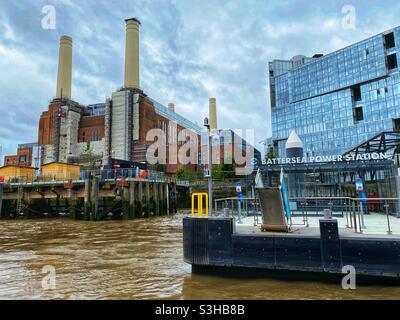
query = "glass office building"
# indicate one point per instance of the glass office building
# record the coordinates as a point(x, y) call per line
point(337, 101)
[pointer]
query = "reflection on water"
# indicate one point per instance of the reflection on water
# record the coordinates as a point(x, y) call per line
point(139, 259)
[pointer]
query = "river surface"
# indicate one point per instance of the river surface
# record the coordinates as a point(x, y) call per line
point(139, 259)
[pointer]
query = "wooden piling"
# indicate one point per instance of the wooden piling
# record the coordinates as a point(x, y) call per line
point(1, 199)
point(126, 203)
point(94, 200)
point(166, 198)
point(86, 210)
point(147, 199)
point(140, 199)
point(156, 199)
point(72, 204)
point(131, 200)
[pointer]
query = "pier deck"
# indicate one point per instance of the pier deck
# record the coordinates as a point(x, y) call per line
point(219, 242)
point(89, 199)
point(299, 231)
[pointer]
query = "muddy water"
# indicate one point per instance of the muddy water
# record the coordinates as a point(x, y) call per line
point(131, 260)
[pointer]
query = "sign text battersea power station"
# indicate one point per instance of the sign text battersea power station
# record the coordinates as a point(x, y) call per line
point(332, 158)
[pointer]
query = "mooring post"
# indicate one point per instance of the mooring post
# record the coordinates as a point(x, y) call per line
point(148, 199)
point(140, 198)
point(58, 204)
point(95, 199)
point(72, 204)
point(126, 203)
point(162, 201)
point(1, 199)
point(156, 198)
point(87, 199)
point(166, 198)
point(131, 200)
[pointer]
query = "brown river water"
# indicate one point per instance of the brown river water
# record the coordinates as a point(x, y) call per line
point(139, 259)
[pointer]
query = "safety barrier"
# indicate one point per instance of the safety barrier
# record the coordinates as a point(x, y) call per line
point(200, 196)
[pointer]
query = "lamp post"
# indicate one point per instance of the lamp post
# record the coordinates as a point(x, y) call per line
point(209, 175)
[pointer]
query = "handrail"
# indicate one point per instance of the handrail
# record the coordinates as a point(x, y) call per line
point(350, 207)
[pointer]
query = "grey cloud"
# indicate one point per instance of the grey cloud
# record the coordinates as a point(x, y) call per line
point(190, 50)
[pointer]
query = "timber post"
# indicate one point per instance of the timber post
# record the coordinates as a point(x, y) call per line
point(1, 199)
point(131, 200)
point(87, 196)
point(147, 199)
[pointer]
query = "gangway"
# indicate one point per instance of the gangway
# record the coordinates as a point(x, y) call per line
point(272, 209)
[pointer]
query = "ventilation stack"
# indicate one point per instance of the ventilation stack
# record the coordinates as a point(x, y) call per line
point(171, 107)
point(132, 54)
point(64, 77)
point(213, 114)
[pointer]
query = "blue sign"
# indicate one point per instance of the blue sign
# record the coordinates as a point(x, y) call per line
point(363, 197)
point(359, 185)
point(241, 198)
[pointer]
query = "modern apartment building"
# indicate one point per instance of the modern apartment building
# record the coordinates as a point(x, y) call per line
point(337, 101)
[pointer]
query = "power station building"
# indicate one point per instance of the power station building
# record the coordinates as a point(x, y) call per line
point(117, 129)
point(337, 101)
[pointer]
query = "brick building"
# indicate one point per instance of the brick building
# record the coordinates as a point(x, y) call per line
point(117, 129)
point(28, 155)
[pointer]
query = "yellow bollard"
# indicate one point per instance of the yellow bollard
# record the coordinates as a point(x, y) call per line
point(199, 197)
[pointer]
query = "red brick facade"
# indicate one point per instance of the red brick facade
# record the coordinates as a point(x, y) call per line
point(47, 124)
point(23, 158)
point(149, 119)
point(91, 128)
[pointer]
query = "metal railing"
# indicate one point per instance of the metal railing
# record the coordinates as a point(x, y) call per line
point(108, 174)
point(353, 210)
point(238, 208)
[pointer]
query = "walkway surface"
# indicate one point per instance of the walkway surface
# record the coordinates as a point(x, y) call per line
point(375, 225)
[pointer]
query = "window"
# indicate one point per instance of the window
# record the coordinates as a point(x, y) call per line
point(389, 40)
point(392, 61)
point(356, 93)
point(358, 114)
point(22, 159)
point(396, 124)
point(95, 135)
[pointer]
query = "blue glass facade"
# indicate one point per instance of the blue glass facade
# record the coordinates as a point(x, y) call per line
point(337, 101)
point(97, 109)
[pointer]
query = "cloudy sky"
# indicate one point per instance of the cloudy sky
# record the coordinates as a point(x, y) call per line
point(190, 51)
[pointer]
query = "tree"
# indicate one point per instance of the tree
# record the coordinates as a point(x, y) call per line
point(88, 158)
point(190, 175)
point(270, 154)
point(161, 167)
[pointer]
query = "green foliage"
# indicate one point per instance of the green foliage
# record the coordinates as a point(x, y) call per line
point(270, 154)
point(161, 167)
point(88, 159)
point(223, 171)
point(190, 175)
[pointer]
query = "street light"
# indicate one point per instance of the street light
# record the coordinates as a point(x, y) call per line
point(209, 175)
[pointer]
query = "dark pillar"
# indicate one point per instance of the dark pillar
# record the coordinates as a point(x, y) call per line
point(1, 199)
point(330, 245)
